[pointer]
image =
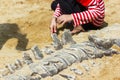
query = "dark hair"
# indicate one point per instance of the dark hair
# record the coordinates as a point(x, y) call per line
point(54, 5)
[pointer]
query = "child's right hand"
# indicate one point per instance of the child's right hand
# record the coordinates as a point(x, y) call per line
point(53, 26)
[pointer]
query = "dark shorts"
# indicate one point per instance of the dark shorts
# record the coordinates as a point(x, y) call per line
point(71, 6)
point(68, 6)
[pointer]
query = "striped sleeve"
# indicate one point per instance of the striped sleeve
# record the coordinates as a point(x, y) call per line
point(94, 14)
point(57, 12)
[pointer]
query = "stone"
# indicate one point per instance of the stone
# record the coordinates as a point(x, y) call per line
point(59, 63)
point(93, 64)
point(69, 59)
point(86, 67)
point(68, 77)
point(51, 68)
point(93, 48)
point(58, 77)
point(35, 76)
point(88, 50)
point(74, 52)
point(56, 42)
point(117, 42)
point(39, 69)
point(101, 43)
point(67, 37)
point(27, 59)
point(48, 51)
point(16, 77)
point(4, 72)
point(37, 53)
point(18, 64)
point(81, 49)
point(110, 52)
point(76, 71)
point(61, 59)
point(10, 68)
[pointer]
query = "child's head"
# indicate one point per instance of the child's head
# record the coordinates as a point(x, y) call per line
point(54, 5)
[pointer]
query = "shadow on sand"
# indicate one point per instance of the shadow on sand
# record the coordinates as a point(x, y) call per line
point(8, 31)
point(70, 27)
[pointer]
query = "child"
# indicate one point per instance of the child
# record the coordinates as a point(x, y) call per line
point(82, 13)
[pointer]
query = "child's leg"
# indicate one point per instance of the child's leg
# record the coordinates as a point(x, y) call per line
point(90, 26)
point(77, 30)
point(85, 27)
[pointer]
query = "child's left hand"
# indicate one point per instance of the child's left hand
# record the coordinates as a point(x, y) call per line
point(64, 19)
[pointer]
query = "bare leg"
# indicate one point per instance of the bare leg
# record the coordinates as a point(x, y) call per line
point(77, 30)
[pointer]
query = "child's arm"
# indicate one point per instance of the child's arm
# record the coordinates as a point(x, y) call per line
point(57, 13)
point(94, 14)
point(53, 25)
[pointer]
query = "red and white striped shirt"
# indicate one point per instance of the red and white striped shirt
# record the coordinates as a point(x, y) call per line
point(95, 13)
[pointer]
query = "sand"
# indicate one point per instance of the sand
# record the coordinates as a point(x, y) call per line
point(24, 23)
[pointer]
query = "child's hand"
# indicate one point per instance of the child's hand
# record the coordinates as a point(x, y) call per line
point(64, 19)
point(53, 26)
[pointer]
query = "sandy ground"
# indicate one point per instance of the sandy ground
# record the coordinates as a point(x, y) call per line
point(24, 23)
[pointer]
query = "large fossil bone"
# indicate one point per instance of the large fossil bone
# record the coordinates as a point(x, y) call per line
point(77, 52)
point(49, 66)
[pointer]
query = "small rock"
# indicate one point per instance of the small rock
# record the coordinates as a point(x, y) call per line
point(67, 38)
point(18, 64)
point(27, 59)
point(56, 42)
point(16, 77)
point(68, 77)
point(35, 76)
point(93, 64)
point(48, 51)
point(10, 68)
point(86, 67)
point(117, 42)
point(4, 72)
point(76, 71)
point(37, 53)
